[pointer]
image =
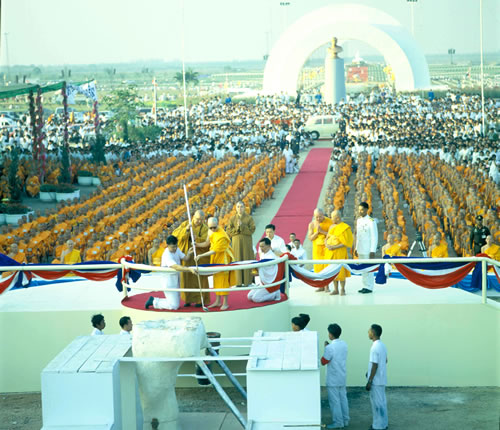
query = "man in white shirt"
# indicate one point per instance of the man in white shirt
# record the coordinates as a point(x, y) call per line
point(298, 251)
point(335, 357)
point(99, 324)
point(277, 243)
point(267, 276)
point(377, 379)
point(171, 257)
point(126, 325)
point(365, 243)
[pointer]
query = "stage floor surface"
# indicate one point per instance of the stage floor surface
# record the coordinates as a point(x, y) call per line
point(83, 295)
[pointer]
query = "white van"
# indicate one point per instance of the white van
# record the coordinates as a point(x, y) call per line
point(321, 126)
point(6, 122)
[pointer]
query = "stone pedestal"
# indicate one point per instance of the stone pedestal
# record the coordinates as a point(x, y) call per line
point(334, 88)
point(181, 337)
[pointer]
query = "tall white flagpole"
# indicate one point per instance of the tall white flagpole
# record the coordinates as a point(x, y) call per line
point(154, 102)
point(482, 70)
point(184, 69)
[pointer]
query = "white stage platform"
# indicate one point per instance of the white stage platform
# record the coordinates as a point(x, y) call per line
point(441, 337)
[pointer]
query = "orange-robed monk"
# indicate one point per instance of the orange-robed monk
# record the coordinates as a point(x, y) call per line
point(220, 253)
point(316, 232)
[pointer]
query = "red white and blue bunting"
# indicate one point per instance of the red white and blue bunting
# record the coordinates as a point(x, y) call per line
point(427, 275)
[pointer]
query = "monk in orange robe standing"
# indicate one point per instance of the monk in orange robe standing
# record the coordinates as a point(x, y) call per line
point(220, 253)
point(316, 232)
point(338, 240)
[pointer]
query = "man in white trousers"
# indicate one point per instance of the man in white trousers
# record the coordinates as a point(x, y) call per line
point(365, 243)
point(171, 257)
point(335, 357)
point(267, 275)
point(377, 379)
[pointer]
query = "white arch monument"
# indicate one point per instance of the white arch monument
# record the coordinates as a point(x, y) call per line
point(346, 22)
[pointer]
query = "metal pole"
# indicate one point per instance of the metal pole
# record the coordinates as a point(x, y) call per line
point(7, 61)
point(412, 20)
point(228, 373)
point(222, 393)
point(484, 273)
point(482, 70)
point(184, 71)
point(154, 103)
point(287, 277)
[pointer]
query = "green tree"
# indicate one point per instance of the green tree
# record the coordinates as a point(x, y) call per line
point(191, 77)
point(65, 176)
point(124, 103)
point(97, 148)
point(14, 182)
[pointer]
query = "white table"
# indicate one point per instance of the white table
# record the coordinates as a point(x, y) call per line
point(284, 387)
point(80, 386)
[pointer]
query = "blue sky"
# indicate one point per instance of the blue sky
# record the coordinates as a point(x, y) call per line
point(105, 31)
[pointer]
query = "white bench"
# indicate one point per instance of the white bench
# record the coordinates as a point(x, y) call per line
point(80, 386)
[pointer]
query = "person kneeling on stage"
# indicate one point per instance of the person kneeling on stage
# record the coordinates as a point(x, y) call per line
point(267, 275)
point(171, 257)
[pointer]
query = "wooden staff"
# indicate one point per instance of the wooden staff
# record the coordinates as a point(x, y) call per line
point(194, 248)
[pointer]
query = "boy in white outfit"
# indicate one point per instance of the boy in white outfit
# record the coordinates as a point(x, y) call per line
point(377, 379)
point(335, 357)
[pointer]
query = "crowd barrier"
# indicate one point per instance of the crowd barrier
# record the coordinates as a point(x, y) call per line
point(104, 271)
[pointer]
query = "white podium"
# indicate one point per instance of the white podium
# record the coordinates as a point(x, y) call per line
point(80, 386)
point(284, 387)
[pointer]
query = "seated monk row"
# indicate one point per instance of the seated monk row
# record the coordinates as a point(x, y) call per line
point(89, 239)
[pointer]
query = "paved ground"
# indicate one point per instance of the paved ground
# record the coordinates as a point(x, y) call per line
point(409, 409)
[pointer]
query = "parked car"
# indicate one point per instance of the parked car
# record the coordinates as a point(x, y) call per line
point(60, 110)
point(7, 122)
point(321, 126)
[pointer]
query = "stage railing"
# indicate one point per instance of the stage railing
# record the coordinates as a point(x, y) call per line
point(485, 261)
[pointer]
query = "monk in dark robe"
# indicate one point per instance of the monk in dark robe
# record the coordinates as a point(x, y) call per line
point(188, 280)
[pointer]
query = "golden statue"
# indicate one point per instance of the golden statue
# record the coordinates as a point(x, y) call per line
point(335, 49)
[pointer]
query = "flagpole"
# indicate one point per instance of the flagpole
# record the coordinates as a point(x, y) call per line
point(194, 247)
point(154, 102)
point(184, 70)
point(482, 70)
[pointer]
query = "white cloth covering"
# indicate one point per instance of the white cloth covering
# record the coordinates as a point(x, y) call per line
point(170, 280)
point(267, 276)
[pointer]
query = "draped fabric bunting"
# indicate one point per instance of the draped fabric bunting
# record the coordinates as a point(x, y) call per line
point(22, 279)
point(328, 274)
point(427, 275)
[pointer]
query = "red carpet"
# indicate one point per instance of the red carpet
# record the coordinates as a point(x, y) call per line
point(296, 211)
point(237, 301)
